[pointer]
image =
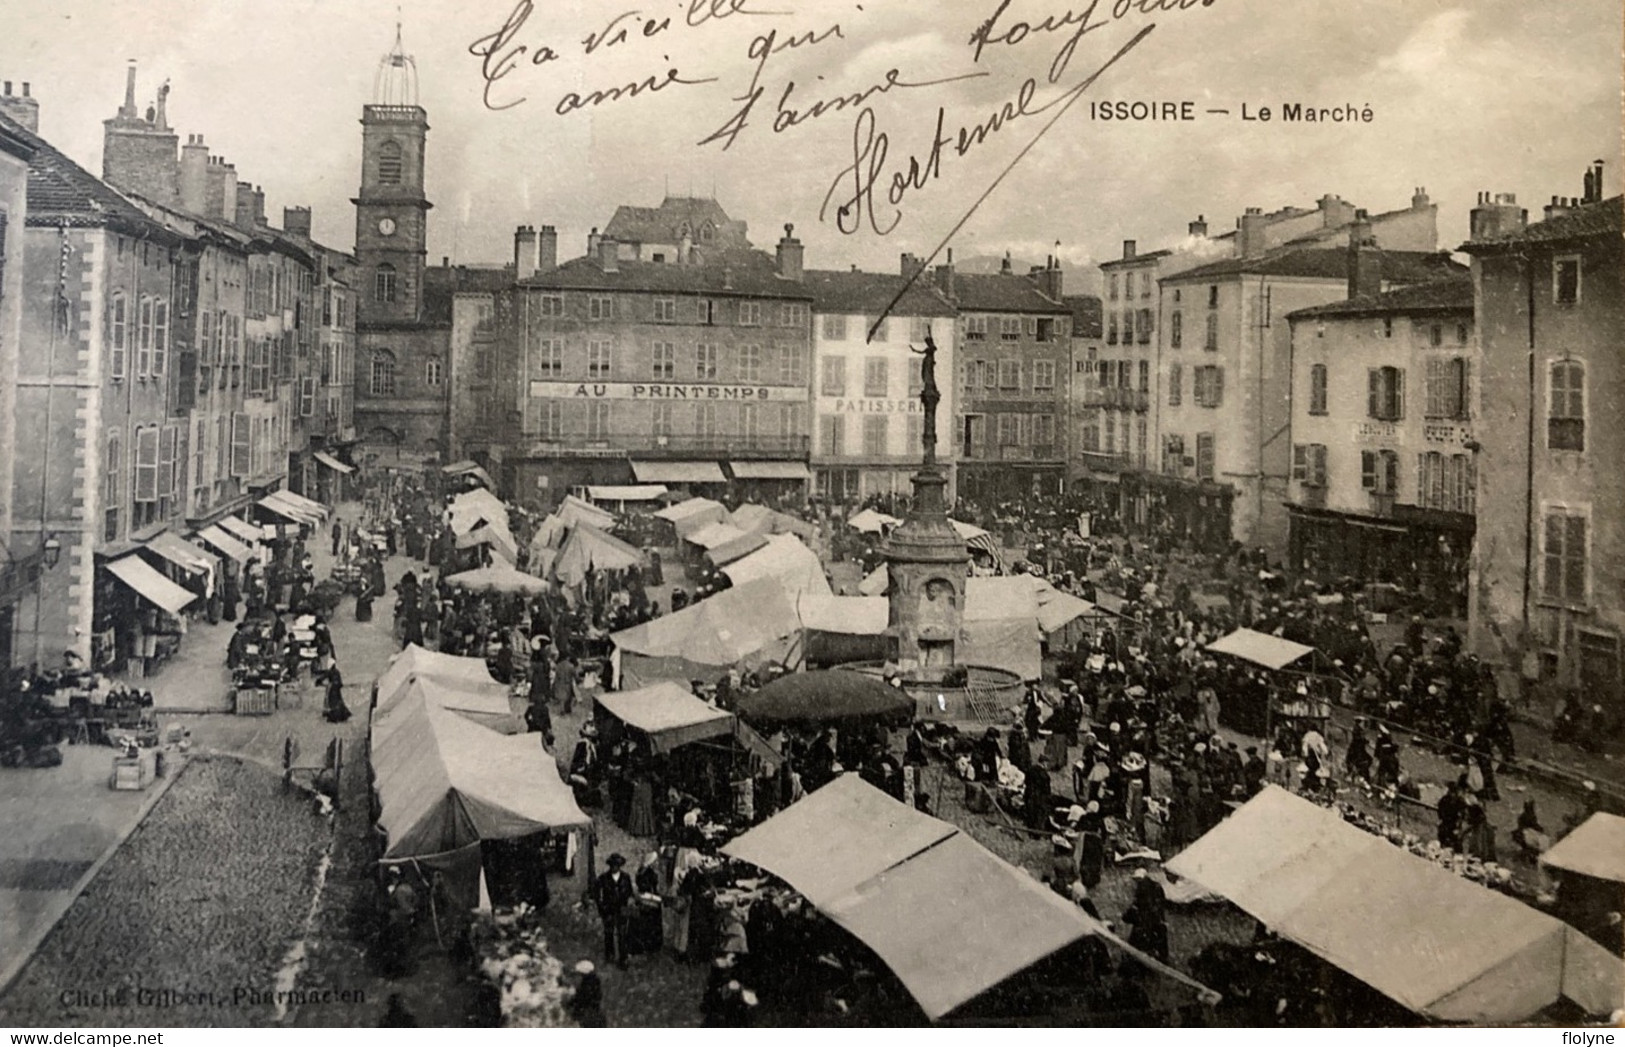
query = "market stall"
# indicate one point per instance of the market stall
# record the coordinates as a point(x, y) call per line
point(494, 535)
point(745, 627)
point(1444, 947)
point(827, 697)
point(498, 578)
point(1000, 626)
point(841, 629)
point(759, 519)
point(1293, 692)
point(785, 560)
point(688, 517)
point(485, 704)
point(870, 521)
point(415, 661)
point(589, 549)
point(1589, 866)
point(467, 472)
point(627, 494)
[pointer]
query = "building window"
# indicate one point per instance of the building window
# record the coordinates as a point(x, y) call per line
point(1309, 464)
point(113, 486)
point(976, 328)
point(1010, 375)
point(383, 283)
point(383, 373)
point(600, 307)
point(389, 163)
point(875, 377)
point(874, 435)
point(1111, 329)
point(1566, 280)
point(1043, 376)
point(1565, 422)
point(1176, 385)
point(1461, 334)
point(433, 372)
point(664, 360)
point(916, 376)
point(750, 363)
point(705, 362)
point(1213, 296)
point(1387, 327)
point(1009, 429)
point(1379, 472)
point(706, 422)
point(1141, 433)
point(750, 423)
point(551, 305)
point(143, 345)
point(1211, 344)
point(1113, 286)
point(1564, 578)
point(1145, 377)
point(1447, 388)
point(990, 374)
point(1173, 455)
point(834, 328)
point(146, 465)
point(1044, 431)
point(1009, 328)
point(881, 328)
point(598, 416)
point(790, 420)
point(1204, 456)
point(1207, 386)
point(1144, 326)
point(750, 314)
point(1128, 327)
point(1385, 400)
point(831, 435)
point(792, 365)
point(119, 353)
point(160, 337)
point(919, 329)
point(661, 419)
point(1110, 444)
point(1091, 429)
point(834, 381)
point(793, 314)
point(550, 420)
point(550, 358)
point(599, 356)
point(1317, 389)
point(665, 309)
point(1176, 330)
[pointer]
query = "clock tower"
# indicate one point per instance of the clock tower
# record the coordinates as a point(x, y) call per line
point(391, 212)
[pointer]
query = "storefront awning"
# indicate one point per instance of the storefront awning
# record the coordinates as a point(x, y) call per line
point(627, 493)
point(678, 473)
point(181, 553)
point(333, 463)
point(284, 503)
point(219, 539)
point(241, 529)
point(770, 470)
point(150, 585)
point(1271, 652)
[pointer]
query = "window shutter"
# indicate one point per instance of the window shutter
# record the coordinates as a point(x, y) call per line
point(1574, 559)
point(1368, 470)
point(1319, 464)
point(146, 465)
point(1465, 394)
point(1218, 386)
point(160, 338)
point(1300, 462)
point(166, 462)
point(307, 397)
point(1373, 406)
point(1399, 393)
point(240, 446)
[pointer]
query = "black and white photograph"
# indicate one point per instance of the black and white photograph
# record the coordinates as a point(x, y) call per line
point(803, 514)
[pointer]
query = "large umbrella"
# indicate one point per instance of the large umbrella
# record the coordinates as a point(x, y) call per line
point(826, 697)
point(498, 578)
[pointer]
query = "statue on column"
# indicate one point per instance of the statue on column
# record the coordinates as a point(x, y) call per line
point(930, 396)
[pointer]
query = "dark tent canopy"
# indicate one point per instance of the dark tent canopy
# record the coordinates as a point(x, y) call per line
point(826, 697)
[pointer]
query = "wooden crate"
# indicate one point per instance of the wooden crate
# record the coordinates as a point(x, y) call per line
point(254, 702)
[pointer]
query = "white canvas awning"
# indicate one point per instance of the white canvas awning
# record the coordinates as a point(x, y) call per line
point(245, 532)
point(333, 463)
point(770, 470)
point(678, 473)
point(182, 553)
point(150, 585)
point(1271, 652)
point(219, 539)
point(668, 714)
point(628, 493)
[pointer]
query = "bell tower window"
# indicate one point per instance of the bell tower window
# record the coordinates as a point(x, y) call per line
point(389, 163)
point(383, 284)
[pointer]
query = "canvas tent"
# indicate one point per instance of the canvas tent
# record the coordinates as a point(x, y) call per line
point(472, 508)
point(444, 783)
point(494, 534)
point(667, 714)
point(1595, 849)
point(759, 519)
point(484, 704)
point(870, 521)
point(1000, 626)
point(840, 629)
point(748, 626)
point(713, 535)
point(468, 468)
point(589, 549)
point(726, 553)
point(449, 669)
point(874, 583)
point(1271, 652)
point(687, 517)
point(498, 578)
point(556, 528)
point(785, 559)
point(903, 883)
point(624, 493)
point(1433, 941)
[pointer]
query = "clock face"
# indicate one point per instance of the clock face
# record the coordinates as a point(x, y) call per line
point(386, 226)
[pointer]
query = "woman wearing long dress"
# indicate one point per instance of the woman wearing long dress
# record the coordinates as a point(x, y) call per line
point(641, 818)
point(335, 710)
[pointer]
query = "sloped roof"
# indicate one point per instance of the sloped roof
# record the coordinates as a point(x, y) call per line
point(1086, 313)
point(742, 274)
point(1129, 263)
point(663, 224)
point(1326, 264)
point(1454, 295)
point(60, 192)
point(1583, 223)
point(1001, 293)
point(835, 291)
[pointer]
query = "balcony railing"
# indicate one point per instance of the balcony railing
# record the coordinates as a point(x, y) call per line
point(705, 445)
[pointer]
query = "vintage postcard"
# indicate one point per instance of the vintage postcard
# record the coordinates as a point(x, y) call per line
point(803, 513)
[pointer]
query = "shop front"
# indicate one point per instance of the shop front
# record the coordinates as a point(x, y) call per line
point(1420, 550)
point(1172, 506)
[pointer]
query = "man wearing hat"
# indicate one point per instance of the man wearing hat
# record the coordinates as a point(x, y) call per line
point(613, 896)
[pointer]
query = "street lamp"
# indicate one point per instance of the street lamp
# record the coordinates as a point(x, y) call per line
point(52, 550)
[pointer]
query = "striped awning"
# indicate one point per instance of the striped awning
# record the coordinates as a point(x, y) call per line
point(150, 585)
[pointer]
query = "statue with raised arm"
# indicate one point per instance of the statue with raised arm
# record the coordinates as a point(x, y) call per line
point(930, 396)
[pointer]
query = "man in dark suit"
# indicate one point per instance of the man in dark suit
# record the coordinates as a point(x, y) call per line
point(613, 896)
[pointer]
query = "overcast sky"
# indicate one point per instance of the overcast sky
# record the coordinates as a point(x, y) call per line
point(1498, 95)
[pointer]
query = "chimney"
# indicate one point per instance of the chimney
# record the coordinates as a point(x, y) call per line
point(791, 255)
point(547, 250)
point(194, 177)
point(1419, 199)
point(1560, 206)
point(259, 208)
point(1365, 260)
point(609, 254)
point(1335, 212)
point(128, 110)
point(244, 216)
point(1005, 266)
point(910, 265)
point(296, 220)
point(592, 242)
point(141, 157)
point(1497, 214)
point(945, 277)
point(1198, 227)
point(221, 199)
point(1251, 240)
point(524, 252)
point(1049, 279)
point(1129, 247)
point(21, 108)
point(1593, 179)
